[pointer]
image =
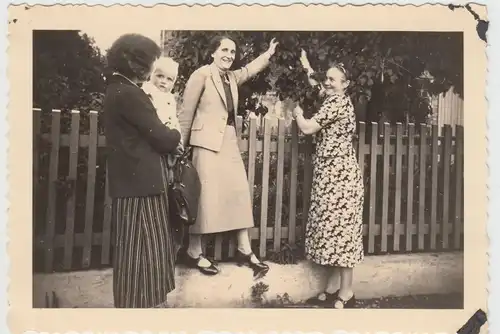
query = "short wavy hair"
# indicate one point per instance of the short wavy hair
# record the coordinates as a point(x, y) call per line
point(133, 55)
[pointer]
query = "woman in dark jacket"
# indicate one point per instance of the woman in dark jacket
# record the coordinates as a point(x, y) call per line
point(144, 256)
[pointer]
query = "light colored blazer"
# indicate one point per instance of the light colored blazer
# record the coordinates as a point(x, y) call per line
point(203, 115)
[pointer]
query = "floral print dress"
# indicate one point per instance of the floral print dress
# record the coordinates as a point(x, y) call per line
point(334, 231)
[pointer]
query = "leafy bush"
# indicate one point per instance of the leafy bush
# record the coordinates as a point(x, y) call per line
point(392, 72)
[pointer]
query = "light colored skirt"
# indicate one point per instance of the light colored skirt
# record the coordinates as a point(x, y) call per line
point(225, 196)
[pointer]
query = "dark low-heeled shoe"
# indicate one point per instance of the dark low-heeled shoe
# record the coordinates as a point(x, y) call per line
point(195, 263)
point(327, 302)
point(260, 269)
point(351, 303)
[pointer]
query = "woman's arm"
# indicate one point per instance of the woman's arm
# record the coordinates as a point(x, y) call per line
point(190, 99)
point(307, 66)
point(255, 66)
point(135, 107)
point(307, 126)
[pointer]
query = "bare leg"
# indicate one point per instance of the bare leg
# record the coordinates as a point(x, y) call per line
point(346, 279)
point(195, 250)
point(244, 245)
point(333, 280)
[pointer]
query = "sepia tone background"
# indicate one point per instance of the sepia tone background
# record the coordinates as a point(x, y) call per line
point(425, 18)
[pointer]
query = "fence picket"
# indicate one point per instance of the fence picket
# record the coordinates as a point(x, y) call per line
point(373, 187)
point(106, 226)
point(36, 159)
point(252, 155)
point(265, 188)
point(409, 196)
point(422, 185)
point(72, 177)
point(306, 190)
point(435, 162)
point(361, 147)
point(446, 187)
point(219, 237)
point(385, 189)
point(91, 176)
point(52, 195)
point(398, 181)
point(459, 147)
point(440, 155)
point(294, 162)
point(279, 185)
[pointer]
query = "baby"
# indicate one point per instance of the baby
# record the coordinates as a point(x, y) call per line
point(159, 89)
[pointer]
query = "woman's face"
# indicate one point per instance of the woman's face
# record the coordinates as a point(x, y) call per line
point(335, 81)
point(225, 54)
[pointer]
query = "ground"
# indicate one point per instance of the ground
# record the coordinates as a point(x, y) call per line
point(434, 280)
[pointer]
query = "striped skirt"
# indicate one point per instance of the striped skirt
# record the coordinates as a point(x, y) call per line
point(144, 259)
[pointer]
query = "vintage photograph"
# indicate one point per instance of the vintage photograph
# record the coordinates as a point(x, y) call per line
point(317, 166)
point(336, 150)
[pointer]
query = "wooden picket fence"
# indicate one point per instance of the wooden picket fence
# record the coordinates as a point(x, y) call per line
point(413, 182)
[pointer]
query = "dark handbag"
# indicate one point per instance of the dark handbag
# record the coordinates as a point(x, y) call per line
point(184, 190)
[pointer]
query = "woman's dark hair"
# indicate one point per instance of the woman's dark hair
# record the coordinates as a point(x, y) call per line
point(132, 55)
point(216, 40)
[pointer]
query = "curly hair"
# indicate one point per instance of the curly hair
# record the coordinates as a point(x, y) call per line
point(133, 55)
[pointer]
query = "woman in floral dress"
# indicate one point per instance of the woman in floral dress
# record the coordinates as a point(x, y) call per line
point(334, 231)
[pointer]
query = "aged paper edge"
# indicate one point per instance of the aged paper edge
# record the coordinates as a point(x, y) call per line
point(245, 17)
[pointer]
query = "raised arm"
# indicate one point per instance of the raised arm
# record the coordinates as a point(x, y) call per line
point(257, 65)
point(190, 99)
point(135, 107)
point(307, 66)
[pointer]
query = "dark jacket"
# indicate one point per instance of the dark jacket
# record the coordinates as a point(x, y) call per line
point(136, 140)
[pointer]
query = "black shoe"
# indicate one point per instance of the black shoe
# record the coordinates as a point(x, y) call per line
point(324, 299)
point(351, 303)
point(260, 269)
point(195, 263)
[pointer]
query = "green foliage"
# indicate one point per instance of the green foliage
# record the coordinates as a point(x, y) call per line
point(385, 66)
point(67, 70)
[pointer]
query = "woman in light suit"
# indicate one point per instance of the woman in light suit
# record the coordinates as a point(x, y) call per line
point(207, 120)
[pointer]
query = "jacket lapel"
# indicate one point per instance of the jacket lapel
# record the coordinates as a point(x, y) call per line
point(218, 83)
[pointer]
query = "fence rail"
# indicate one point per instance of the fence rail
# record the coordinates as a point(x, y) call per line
point(413, 186)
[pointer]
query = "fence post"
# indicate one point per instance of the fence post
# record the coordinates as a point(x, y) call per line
point(279, 184)
point(373, 187)
point(72, 177)
point(385, 187)
point(106, 226)
point(446, 187)
point(36, 159)
point(265, 188)
point(307, 185)
point(459, 149)
point(89, 204)
point(422, 185)
point(434, 187)
point(51, 205)
point(409, 187)
point(398, 180)
point(294, 161)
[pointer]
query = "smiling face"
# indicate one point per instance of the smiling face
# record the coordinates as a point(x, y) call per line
point(225, 54)
point(335, 82)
